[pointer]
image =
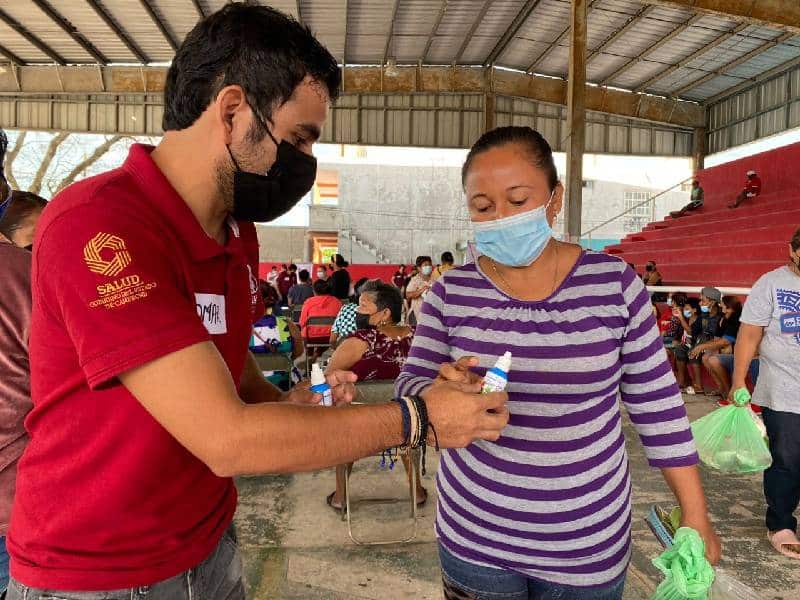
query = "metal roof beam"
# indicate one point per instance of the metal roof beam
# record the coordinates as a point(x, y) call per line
point(391, 32)
point(555, 43)
point(746, 85)
point(439, 17)
point(621, 32)
point(148, 7)
point(124, 37)
point(71, 30)
point(734, 63)
point(512, 31)
point(199, 8)
point(662, 42)
point(11, 56)
point(468, 38)
point(784, 14)
point(720, 39)
point(23, 31)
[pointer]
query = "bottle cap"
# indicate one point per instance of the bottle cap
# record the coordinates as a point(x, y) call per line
point(504, 362)
point(317, 376)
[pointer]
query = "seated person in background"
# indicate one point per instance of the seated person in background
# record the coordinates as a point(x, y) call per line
point(345, 323)
point(446, 264)
point(703, 327)
point(300, 292)
point(270, 294)
point(651, 274)
point(322, 304)
point(752, 188)
point(668, 324)
point(720, 365)
point(273, 334)
point(696, 201)
point(376, 351)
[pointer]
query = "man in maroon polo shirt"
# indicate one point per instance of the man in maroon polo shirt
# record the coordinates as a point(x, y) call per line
point(145, 399)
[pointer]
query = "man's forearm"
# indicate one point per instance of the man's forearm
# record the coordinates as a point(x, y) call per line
point(282, 438)
point(746, 347)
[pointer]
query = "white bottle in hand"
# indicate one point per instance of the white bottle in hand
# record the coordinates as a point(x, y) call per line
point(320, 386)
point(496, 378)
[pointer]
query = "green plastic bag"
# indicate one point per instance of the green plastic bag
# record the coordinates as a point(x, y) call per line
point(730, 440)
point(687, 573)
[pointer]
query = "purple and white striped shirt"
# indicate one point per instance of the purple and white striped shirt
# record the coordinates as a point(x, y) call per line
point(551, 499)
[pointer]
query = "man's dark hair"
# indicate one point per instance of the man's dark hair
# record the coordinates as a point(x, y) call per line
point(385, 296)
point(694, 303)
point(322, 287)
point(259, 48)
point(293, 267)
point(21, 206)
point(3, 149)
point(447, 258)
point(304, 276)
point(533, 144)
point(679, 299)
point(340, 262)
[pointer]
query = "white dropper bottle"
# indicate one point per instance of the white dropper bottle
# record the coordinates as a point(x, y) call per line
point(496, 378)
point(320, 386)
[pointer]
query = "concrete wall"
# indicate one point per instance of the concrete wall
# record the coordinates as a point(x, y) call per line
point(282, 244)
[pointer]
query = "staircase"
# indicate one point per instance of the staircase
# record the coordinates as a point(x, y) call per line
point(720, 246)
point(348, 238)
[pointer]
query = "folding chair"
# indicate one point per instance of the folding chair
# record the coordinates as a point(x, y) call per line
point(378, 392)
point(296, 312)
point(317, 343)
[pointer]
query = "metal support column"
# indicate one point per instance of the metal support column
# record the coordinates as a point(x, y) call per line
point(699, 148)
point(576, 120)
point(488, 112)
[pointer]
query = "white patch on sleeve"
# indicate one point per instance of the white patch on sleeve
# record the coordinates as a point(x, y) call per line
point(211, 310)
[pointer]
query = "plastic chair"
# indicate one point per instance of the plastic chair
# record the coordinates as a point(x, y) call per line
point(379, 392)
point(317, 343)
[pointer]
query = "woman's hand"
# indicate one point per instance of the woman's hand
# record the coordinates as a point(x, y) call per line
point(342, 387)
point(458, 372)
point(703, 526)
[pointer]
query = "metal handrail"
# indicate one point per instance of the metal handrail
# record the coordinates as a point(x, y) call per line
point(635, 206)
point(689, 289)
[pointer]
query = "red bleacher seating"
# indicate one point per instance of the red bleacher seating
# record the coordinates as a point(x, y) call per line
point(717, 245)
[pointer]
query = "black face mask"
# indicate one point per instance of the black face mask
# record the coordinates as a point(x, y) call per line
point(29, 247)
point(263, 198)
point(362, 321)
point(648, 268)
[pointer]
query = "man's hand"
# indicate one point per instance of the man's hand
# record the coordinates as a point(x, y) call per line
point(342, 388)
point(458, 372)
point(706, 530)
point(460, 414)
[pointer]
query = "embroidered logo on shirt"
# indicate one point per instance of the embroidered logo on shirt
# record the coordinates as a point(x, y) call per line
point(106, 254)
point(211, 310)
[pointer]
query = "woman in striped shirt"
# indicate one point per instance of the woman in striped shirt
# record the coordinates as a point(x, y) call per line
point(545, 511)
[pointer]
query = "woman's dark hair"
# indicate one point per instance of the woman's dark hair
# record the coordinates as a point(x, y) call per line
point(357, 287)
point(423, 259)
point(796, 240)
point(679, 299)
point(734, 304)
point(532, 142)
point(21, 206)
point(694, 303)
point(385, 296)
point(259, 48)
point(340, 262)
point(322, 287)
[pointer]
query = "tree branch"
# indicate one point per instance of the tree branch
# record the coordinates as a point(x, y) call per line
point(88, 161)
point(10, 157)
point(52, 148)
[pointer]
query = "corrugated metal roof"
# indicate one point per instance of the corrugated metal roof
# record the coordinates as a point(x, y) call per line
point(708, 49)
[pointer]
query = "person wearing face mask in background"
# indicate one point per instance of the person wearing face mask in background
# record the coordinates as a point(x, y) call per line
point(530, 516)
point(710, 320)
point(418, 287)
point(19, 212)
point(144, 280)
point(692, 326)
point(770, 326)
point(651, 275)
point(375, 352)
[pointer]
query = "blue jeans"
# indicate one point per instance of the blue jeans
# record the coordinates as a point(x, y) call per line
point(782, 478)
point(218, 577)
point(466, 581)
point(3, 566)
point(726, 360)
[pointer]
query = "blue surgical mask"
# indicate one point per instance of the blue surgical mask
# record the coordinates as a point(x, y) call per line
point(705, 309)
point(687, 313)
point(515, 241)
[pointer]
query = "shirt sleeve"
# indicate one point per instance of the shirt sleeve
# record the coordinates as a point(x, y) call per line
point(431, 346)
point(648, 388)
point(413, 285)
point(759, 306)
point(111, 282)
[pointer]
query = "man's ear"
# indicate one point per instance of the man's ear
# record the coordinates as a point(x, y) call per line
point(230, 108)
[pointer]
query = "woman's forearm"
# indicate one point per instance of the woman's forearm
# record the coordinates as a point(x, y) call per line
point(688, 490)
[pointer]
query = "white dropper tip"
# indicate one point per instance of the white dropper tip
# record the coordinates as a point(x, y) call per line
point(317, 376)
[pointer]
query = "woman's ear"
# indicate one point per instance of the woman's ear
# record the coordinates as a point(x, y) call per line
point(556, 204)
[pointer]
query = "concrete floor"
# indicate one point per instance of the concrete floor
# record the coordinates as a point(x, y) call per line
point(295, 547)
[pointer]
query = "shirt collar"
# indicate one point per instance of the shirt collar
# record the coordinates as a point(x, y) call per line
point(158, 191)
